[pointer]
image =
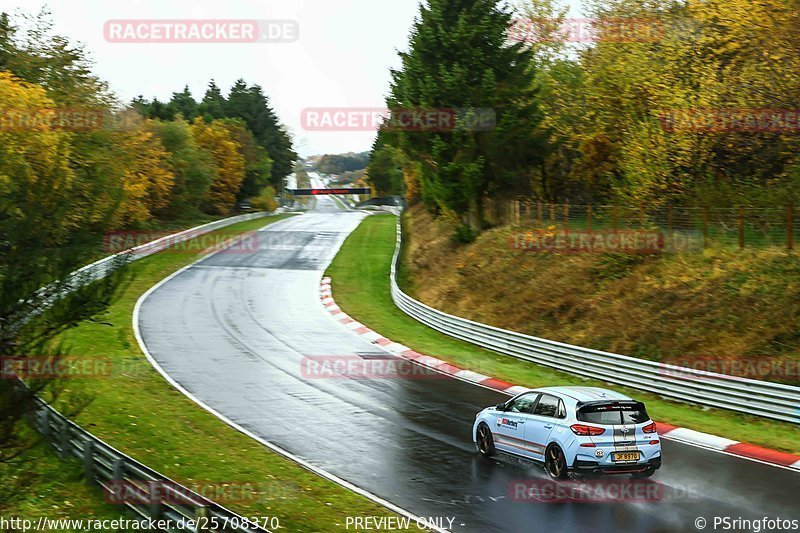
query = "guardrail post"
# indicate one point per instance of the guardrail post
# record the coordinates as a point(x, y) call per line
point(614, 218)
point(154, 507)
point(566, 216)
point(45, 422)
point(201, 519)
point(118, 473)
point(539, 209)
point(117, 482)
point(88, 461)
point(63, 441)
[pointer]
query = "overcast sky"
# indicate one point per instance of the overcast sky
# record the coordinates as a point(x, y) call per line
point(341, 59)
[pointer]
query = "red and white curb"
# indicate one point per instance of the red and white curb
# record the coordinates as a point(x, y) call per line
point(667, 431)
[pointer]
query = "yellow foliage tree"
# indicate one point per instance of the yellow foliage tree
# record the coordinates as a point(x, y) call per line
point(147, 179)
point(218, 141)
point(710, 58)
point(35, 175)
point(265, 201)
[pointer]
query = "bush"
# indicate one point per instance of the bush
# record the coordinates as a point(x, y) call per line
point(464, 234)
point(266, 200)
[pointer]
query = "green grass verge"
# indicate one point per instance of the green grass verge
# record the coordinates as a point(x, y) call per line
point(360, 280)
point(52, 488)
point(138, 412)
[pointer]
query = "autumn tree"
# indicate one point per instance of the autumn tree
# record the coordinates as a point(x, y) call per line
point(216, 139)
point(43, 237)
point(608, 105)
point(193, 168)
point(246, 103)
point(258, 165)
point(147, 179)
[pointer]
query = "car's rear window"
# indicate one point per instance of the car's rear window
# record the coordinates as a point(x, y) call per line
point(614, 413)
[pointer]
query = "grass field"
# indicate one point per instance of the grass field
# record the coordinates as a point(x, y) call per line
point(54, 488)
point(360, 281)
point(137, 411)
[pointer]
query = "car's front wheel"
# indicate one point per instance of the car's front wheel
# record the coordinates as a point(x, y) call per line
point(484, 440)
point(555, 463)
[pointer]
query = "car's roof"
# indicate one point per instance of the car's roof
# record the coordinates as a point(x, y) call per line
point(586, 394)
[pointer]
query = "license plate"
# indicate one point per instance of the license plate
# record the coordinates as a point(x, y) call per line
point(625, 457)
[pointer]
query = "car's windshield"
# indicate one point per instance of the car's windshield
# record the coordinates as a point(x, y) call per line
point(614, 413)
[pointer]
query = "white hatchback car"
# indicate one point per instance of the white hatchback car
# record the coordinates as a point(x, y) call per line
point(585, 430)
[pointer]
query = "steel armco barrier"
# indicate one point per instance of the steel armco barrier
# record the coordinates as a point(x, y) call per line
point(109, 467)
point(101, 268)
point(754, 397)
point(142, 490)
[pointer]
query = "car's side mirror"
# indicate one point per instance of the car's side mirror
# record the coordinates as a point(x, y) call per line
point(501, 407)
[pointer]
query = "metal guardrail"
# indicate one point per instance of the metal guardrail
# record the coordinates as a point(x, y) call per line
point(100, 269)
point(157, 496)
point(770, 400)
point(142, 490)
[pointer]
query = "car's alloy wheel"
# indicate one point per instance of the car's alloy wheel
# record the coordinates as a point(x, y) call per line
point(555, 463)
point(485, 441)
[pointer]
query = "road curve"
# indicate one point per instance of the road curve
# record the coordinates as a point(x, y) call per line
point(234, 328)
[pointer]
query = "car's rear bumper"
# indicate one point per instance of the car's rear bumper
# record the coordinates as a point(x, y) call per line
point(594, 467)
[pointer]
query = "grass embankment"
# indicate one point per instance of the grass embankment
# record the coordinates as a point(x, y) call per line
point(360, 285)
point(138, 412)
point(718, 306)
point(52, 488)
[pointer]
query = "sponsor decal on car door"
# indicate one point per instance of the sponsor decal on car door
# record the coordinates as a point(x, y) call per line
point(510, 425)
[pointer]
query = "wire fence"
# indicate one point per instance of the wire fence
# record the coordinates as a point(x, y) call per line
point(700, 227)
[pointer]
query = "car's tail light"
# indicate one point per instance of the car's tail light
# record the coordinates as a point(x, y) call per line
point(586, 431)
point(588, 445)
point(653, 442)
point(650, 428)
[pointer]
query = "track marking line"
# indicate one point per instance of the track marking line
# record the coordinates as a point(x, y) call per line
point(268, 444)
point(691, 437)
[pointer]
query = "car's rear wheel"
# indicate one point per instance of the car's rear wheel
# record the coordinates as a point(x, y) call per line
point(644, 473)
point(555, 463)
point(484, 440)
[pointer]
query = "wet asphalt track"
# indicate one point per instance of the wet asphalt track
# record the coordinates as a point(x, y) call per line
point(233, 329)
